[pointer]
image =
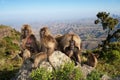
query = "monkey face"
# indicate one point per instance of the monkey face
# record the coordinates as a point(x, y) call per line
point(72, 45)
point(26, 30)
point(25, 33)
point(44, 32)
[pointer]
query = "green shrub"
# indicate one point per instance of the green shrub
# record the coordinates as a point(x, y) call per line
point(111, 69)
point(66, 72)
point(95, 75)
point(112, 53)
point(41, 74)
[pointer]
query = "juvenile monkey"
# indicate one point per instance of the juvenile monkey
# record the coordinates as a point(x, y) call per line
point(92, 60)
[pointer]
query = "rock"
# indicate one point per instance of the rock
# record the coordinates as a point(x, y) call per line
point(46, 65)
point(58, 58)
point(24, 71)
point(105, 77)
point(86, 70)
point(116, 78)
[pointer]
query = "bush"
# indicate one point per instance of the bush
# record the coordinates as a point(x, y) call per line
point(41, 74)
point(111, 69)
point(66, 72)
point(112, 53)
point(95, 75)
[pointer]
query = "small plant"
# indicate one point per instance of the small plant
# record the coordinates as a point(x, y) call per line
point(68, 72)
point(95, 75)
point(41, 74)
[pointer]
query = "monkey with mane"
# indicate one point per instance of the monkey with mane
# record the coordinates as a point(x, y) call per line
point(28, 40)
point(70, 44)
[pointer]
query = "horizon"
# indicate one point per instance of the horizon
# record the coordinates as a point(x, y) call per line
point(27, 11)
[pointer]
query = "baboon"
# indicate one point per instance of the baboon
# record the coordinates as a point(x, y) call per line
point(58, 38)
point(92, 60)
point(28, 40)
point(70, 44)
point(38, 58)
point(26, 54)
point(25, 31)
point(48, 42)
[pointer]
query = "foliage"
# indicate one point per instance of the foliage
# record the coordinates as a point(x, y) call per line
point(109, 59)
point(42, 74)
point(95, 75)
point(108, 23)
point(112, 53)
point(111, 69)
point(8, 68)
point(66, 72)
point(9, 44)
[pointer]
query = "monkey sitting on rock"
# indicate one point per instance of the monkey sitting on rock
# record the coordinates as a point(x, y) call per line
point(70, 44)
point(28, 40)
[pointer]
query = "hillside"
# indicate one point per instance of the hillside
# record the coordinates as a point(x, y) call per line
point(9, 47)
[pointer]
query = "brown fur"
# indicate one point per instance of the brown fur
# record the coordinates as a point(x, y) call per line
point(48, 42)
point(70, 44)
point(26, 54)
point(28, 40)
point(38, 58)
point(92, 60)
point(58, 38)
point(25, 33)
point(25, 28)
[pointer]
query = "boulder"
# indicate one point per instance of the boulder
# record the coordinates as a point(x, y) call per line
point(105, 77)
point(56, 60)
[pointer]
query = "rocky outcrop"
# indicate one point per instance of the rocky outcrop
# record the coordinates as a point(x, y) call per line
point(56, 60)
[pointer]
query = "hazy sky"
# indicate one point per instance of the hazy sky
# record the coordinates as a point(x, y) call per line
point(36, 10)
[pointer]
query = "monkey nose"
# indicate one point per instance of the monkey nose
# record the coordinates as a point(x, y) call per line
point(72, 47)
